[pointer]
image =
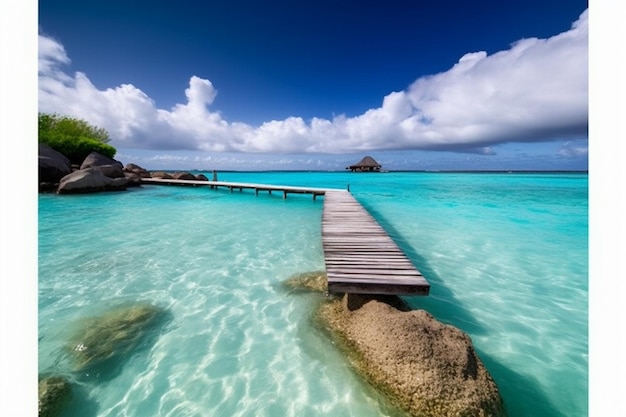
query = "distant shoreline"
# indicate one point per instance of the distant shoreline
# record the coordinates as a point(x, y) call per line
point(586, 172)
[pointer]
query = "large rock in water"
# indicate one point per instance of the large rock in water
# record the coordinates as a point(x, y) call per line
point(96, 159)
point(184, 176)
point(425, 367)
point(53, 165)
point(316, 281)
point(54, 393)
point(161, 174)
point(100, 344)
point(109, 166)
point(90, 180)
point(136, 169)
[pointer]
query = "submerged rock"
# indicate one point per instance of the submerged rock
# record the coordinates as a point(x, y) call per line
point(54, 394)
point(307, 281)
point(425, 367)
point(102, 341)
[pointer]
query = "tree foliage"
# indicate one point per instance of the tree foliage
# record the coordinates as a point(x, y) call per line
point(74, 138)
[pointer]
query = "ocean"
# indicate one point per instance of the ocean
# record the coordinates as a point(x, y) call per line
point(506, 255)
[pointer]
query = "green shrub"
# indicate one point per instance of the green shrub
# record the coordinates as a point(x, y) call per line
point(74, 138)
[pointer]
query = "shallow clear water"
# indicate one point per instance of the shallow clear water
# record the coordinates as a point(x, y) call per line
point(506, 256)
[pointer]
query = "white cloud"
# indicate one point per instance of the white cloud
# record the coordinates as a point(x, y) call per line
point(51, 54)
point(535, 91)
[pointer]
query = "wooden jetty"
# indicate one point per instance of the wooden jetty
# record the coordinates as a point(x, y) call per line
point(285, 189)
point(360, 256)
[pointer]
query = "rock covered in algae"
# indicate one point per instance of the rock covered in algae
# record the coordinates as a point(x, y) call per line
point(307, 281)
point(425, 367)
point(112, 335)
point(54, 393)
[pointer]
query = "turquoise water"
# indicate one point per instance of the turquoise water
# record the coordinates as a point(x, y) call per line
point(506, 256)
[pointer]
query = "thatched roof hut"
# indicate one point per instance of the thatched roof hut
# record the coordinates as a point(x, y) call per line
point(367, 164)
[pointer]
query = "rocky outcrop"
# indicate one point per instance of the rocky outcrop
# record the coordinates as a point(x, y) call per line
point(133, 180)
point(180, 175)
point(96, 173)
point(307, 281)
point(54, 394)
point(102, 342)
point(95, 160)
point(426, 368)
point(53, 166)
point(183, 176)
point(111, 171)
point(90, 180)
point(134, 173)
point(109, 167)
point(161, 174)
point(137, 170)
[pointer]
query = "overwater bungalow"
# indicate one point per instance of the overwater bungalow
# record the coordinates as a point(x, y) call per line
point(367, 164)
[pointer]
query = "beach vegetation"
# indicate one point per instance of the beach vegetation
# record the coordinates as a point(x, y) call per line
point(74, 138)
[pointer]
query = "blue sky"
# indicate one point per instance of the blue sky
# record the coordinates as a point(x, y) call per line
point(318, 85)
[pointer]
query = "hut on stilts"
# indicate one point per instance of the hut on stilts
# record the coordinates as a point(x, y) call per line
point(367, 164)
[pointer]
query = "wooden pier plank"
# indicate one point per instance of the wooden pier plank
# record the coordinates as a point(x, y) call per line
point(285, 189)
point(360, 256)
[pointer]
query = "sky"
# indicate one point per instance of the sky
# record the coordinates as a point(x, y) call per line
point(248, 85)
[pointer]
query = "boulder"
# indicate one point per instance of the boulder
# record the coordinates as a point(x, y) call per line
point(132, 167)
point(109, 167)
point(426, 368)
point(53, 165)
point(101, 343)
point(88, 181)
point(111, 171)
point(95, 159)
point(134, 180)
point(316, 281)
point(136, 169)
point(54, 393)
point(183, 176)
point(161, 174)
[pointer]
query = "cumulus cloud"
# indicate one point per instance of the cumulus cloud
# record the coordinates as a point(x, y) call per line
point(537, 90)
point(51, 54)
